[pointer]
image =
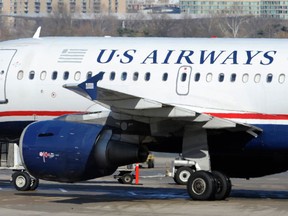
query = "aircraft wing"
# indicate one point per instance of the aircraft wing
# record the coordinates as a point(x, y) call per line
point(143, 109)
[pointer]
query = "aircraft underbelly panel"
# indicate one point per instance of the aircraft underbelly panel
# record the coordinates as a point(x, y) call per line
point(6, 56)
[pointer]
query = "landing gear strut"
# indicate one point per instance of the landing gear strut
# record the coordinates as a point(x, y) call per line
point(204, 185)
point(22, 181)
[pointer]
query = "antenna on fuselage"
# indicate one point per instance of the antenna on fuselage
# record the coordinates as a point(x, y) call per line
point(37, 33)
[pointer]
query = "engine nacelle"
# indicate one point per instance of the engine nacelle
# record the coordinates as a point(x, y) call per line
point(69, 151)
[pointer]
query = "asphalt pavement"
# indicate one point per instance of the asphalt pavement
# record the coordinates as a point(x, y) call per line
point(155, 195)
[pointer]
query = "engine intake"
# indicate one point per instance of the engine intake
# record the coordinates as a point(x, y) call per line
point(68, 151)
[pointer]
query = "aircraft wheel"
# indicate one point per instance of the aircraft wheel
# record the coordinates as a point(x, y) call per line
point(127, 179)
point(201, 186)
point(34, 184)
point(21, 181)
point(182, 175)
point(223, 184)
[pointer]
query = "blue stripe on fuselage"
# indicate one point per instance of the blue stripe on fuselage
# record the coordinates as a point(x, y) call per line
point(273, 137)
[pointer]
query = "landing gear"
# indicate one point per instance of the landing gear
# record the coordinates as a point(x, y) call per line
point(34, 184)
point(22, 181)
point(224, 186)
point(182, 175)
point(204, 185)
point(201, 186)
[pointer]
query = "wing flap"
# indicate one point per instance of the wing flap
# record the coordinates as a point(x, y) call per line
point(135, 107)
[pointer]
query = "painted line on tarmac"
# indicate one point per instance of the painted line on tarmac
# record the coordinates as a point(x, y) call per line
point(153, 176)
point(132, 193)
point(63, 190)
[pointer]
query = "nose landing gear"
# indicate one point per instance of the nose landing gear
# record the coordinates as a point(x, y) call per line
point(22, 181)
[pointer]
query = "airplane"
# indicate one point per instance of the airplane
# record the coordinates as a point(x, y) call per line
point(218, 101)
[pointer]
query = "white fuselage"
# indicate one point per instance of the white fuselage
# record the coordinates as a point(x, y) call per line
point(243, 79)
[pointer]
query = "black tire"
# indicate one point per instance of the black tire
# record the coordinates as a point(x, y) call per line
point(127, 179)
point(223, 184)
point(201, 186)
point(120, 180)
point(34, 184)
point(182, 175)
point(21, 181)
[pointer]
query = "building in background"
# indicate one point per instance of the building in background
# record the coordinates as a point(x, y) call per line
point(79, 7)
point(259, 8)
point(152, 6)
point(47, 7)
point(197, 8)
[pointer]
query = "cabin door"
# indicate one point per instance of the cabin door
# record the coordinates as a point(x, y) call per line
point(6, 57)
point(183, 80)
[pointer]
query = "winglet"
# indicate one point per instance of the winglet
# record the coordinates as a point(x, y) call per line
point(90, 85)
point(88, 88)
point(37, 33)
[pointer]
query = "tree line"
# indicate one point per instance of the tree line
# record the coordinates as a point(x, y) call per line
point(144, 26)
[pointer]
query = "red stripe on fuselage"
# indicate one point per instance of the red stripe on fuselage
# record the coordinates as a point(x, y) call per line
point(250, 116)
point(220, 115)
point(36, 113)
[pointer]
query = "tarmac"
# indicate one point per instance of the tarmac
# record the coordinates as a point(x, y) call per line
point(155, 195)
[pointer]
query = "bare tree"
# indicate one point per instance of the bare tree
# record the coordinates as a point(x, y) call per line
point(65, 24)
point(4, 28)
point(59, 22)
point(133, 25)
point(231, 21)
point(105, 25)
point(231, 25)
point(186, 26)
point(160, 25)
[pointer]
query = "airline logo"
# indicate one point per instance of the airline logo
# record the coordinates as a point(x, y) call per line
point(235, 57)
point(46, 155)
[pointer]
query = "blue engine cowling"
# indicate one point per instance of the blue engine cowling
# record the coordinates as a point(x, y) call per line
point(68, 151)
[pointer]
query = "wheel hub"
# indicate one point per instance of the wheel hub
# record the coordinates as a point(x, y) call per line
point(184, 176)
point(198, 186)
point(20, 181)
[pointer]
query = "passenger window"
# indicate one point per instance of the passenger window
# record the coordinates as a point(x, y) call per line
point(112, 75)
point(135, 76)
point(89, 75)
point(269, 78)
point(245, 78)
point(233, 77)
point(281, 78)
point(66, 75)
point(31, 75)
point(165, 77)
point(221, 77)
point(43, 75)
point(20, 75)
point(77, 76)
point(54, 75)
point(123, 76)
point(183, 77)
point(209, 77)
point(197, 77)
point(257, 78)
point(147, 76)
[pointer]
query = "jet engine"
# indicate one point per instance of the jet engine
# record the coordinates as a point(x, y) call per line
point(66, 151)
